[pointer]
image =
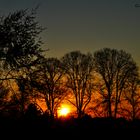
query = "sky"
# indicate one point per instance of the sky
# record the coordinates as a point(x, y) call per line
point(85, 25)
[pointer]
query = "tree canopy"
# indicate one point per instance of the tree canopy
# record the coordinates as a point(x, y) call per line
point(20, 43)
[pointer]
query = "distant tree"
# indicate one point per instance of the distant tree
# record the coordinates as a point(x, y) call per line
point(47, 79)
point(78, 69)
point(99, 106)
point(132, 97)
point(115, 68)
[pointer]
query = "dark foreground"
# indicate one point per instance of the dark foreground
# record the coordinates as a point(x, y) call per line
point(106, 128)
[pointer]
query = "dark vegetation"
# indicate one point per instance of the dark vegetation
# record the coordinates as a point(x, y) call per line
point(105, 83)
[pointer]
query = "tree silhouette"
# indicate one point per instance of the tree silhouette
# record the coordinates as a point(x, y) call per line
point(20, 49)
point(132, 97)
point(24, 94)
point(115, 68)
point(3, 97)
point(78, 70)
point(19, 39)
point(26, 75)
point(48, 80)
point(32, 112)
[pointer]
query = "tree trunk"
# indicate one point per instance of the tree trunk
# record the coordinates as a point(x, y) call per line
point(109, 105)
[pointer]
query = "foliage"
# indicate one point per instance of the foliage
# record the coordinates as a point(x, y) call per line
point(22, 62)
point(19, 40)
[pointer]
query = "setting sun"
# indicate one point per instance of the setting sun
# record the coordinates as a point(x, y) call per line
point(63, 111)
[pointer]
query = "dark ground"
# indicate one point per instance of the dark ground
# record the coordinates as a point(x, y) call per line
point(72, 128)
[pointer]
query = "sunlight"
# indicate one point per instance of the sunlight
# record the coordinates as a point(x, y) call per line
point(63, 111)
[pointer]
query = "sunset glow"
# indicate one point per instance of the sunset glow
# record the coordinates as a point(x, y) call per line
point(63, 111)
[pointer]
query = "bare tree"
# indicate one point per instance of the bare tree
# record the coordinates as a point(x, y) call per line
point(132, 98)
point(79, 69)
point(48, 80)
point(114, 67)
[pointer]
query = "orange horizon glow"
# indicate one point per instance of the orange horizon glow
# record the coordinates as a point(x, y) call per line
point(64, 111)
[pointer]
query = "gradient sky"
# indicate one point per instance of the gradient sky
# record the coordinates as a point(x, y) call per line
point(85, 25)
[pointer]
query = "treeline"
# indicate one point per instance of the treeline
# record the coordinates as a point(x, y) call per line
point(105, 83)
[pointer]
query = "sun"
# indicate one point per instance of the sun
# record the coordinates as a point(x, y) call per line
point(63, 111)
